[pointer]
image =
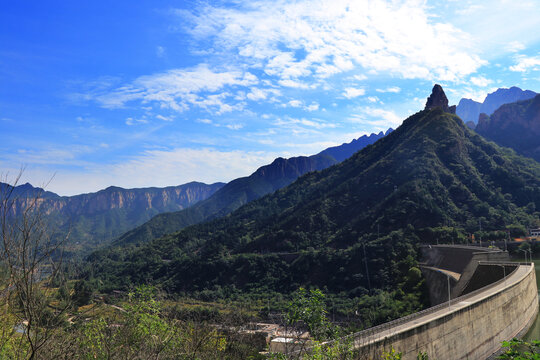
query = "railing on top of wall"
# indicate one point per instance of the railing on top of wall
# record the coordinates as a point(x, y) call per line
point(367, 333)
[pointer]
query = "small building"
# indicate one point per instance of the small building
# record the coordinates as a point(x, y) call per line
point(534, 232)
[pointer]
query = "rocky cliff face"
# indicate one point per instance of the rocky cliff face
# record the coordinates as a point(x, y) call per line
point(469, 110)
point(95, 218)
point(516, 126)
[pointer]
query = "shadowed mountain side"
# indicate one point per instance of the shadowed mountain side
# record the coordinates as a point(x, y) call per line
point(430, 179)
point(267, 179)
point(516, 126)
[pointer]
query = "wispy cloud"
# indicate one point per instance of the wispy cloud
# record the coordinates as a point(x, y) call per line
point(526, 63)
point(351, 92)
point(480, 81)
point(376, 118)
point(153, 168)
point(180, 89)
point(131, 121)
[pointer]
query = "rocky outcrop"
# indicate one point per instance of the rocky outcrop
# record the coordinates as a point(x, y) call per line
point(437, 99)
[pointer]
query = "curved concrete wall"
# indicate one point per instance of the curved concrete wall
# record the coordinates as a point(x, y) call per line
point(472, 327)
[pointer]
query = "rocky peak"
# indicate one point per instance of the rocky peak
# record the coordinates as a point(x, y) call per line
point(437, 99)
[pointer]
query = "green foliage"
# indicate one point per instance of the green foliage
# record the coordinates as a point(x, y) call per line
point(308, 307)
point(517, 349)
point(82, 293)
point(392, 354)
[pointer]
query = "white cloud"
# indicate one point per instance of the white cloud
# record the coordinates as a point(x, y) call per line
point(377, 118)
point(391, 89)
point(480, 81)
point(131, 121)
point(351, 92)
point(153, 168)
point(373, 99)
point(313, 107)
point(526, 63)
point(292, 41)
point(360, 77)
point(515, 46)
point(204, 121)
point(295, 103)
point(262, 94)
point(302, 125)
point(164, 118)
point(180, 89)
point(234, 126)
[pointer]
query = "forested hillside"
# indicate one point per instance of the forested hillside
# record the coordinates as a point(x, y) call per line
point(431, 179)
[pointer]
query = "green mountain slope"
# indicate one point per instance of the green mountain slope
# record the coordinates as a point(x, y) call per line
point(516, 126)
point(267, 179)
point(430, 179)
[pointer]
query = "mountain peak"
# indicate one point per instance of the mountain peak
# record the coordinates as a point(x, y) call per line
point(437, 99)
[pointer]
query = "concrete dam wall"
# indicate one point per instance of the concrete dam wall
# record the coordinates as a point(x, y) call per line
point(499, 302)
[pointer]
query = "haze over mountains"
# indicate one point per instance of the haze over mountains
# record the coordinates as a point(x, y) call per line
point(469, 110)
point(432, 178)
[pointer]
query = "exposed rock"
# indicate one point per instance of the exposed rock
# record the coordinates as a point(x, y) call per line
point(437, 99)
point(452, 109)
point(471, 125)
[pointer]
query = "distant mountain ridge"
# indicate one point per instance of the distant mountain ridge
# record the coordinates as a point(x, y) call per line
point(515, 125)
point(95, 218)
point(267, 179)
point(469, 110)
point(345, 150)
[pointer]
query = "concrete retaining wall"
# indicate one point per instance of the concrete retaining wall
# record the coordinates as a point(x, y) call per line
point(471, 328)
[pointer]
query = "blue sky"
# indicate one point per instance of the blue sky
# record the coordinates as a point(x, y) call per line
point(158, 93)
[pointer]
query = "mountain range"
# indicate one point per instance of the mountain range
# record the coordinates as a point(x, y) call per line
point(267, 179)
point(469, 110)
point(430, 179)
point(516, 126)
point(95, 218)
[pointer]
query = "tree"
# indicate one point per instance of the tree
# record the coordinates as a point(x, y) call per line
point(26, 256)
